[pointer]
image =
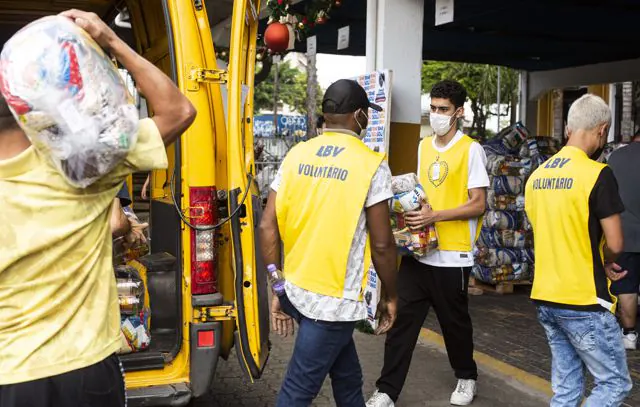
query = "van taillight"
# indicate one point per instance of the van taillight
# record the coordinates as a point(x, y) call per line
point(202, 212)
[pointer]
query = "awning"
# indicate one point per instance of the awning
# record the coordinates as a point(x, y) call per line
point(532, 35)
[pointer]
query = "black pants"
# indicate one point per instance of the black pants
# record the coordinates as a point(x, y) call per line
point(99, 385)
point(420, 287)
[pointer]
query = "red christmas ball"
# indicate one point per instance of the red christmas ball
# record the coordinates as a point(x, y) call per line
point(321, 20)
point(280, 2)
point(276, 37)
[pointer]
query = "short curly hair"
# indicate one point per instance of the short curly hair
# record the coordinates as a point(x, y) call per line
point(451, 90)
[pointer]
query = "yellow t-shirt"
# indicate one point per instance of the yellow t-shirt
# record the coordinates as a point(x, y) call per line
point(58, 300)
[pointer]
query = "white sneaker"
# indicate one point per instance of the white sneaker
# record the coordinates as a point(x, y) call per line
point(464, 393)
point(630, 340)
point(380, 400)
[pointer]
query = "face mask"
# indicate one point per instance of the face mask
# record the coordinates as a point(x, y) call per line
point(441, 123)
point(363, 130)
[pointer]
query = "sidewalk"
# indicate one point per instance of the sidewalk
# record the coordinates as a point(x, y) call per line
point(506, 328)
point(430, 380)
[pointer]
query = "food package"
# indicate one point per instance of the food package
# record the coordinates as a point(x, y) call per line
point(135, 334)
point(505, 202)
point(502, 256)
point(408, 201)
point(538, 157)
point(504, 249)
point(410, 196)
point(404, 183)
point(513, 136)
point(507, 272)
point(135, 313)
point(503, 220)
point(513, 239)
point(508, 165)
point(495, 147)
point(130, 295)
point(508, 142)
point(69, 98)
point(416, 243)
point(507, 185)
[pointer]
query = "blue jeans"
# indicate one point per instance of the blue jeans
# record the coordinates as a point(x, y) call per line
point(591, 338)
point(321, 348)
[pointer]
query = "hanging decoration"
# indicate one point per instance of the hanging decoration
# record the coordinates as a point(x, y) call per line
point(276, 37)
point(316, 12)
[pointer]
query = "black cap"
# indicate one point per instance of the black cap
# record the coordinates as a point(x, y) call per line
point(346, 96)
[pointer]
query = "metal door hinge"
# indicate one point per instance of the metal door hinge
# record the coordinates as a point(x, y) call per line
point(198, 75)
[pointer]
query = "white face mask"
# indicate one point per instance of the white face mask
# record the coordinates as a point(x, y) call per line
point(441, 123)
point(363, 130)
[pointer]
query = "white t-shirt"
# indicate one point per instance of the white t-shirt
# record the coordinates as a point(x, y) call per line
point(478, 178)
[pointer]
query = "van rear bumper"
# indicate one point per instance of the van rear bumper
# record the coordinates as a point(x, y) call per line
point(175, 395)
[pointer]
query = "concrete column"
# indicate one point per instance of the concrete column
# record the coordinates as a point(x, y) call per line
point(398, 47)
point(613, 90)
point(372, 34)
point(558, 122)
point(527, 108)
point(627, 112)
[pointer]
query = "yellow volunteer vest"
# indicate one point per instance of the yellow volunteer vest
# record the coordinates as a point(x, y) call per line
point(325, 182)
point(569, 265)
point(445, 177)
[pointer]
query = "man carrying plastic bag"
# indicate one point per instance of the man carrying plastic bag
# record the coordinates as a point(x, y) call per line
point(451, 168)
point(59, 313)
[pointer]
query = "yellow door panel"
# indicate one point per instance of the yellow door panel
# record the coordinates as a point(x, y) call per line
point(250, 283)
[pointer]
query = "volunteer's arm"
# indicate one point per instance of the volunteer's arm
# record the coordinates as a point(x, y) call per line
point(120, 225)
point(612, 229)
point(173, 113)
point(269, 232)
point(605, 203)
point(281, 323)
point(145, 188)
point(384, 257)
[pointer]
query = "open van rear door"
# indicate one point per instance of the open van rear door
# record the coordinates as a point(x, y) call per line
point(252, 300)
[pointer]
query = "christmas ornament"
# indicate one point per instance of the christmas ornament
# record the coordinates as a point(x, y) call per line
point(276, 37)
point(322, 18)
point(316, 12)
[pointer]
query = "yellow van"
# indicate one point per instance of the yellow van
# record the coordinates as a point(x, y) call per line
point(207, 288)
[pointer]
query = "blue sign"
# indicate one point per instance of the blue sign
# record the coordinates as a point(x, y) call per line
point(288, 125)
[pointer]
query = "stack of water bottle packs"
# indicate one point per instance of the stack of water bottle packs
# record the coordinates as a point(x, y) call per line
point(505, 246)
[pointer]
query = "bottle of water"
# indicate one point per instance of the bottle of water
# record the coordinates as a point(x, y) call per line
point(277, 281)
